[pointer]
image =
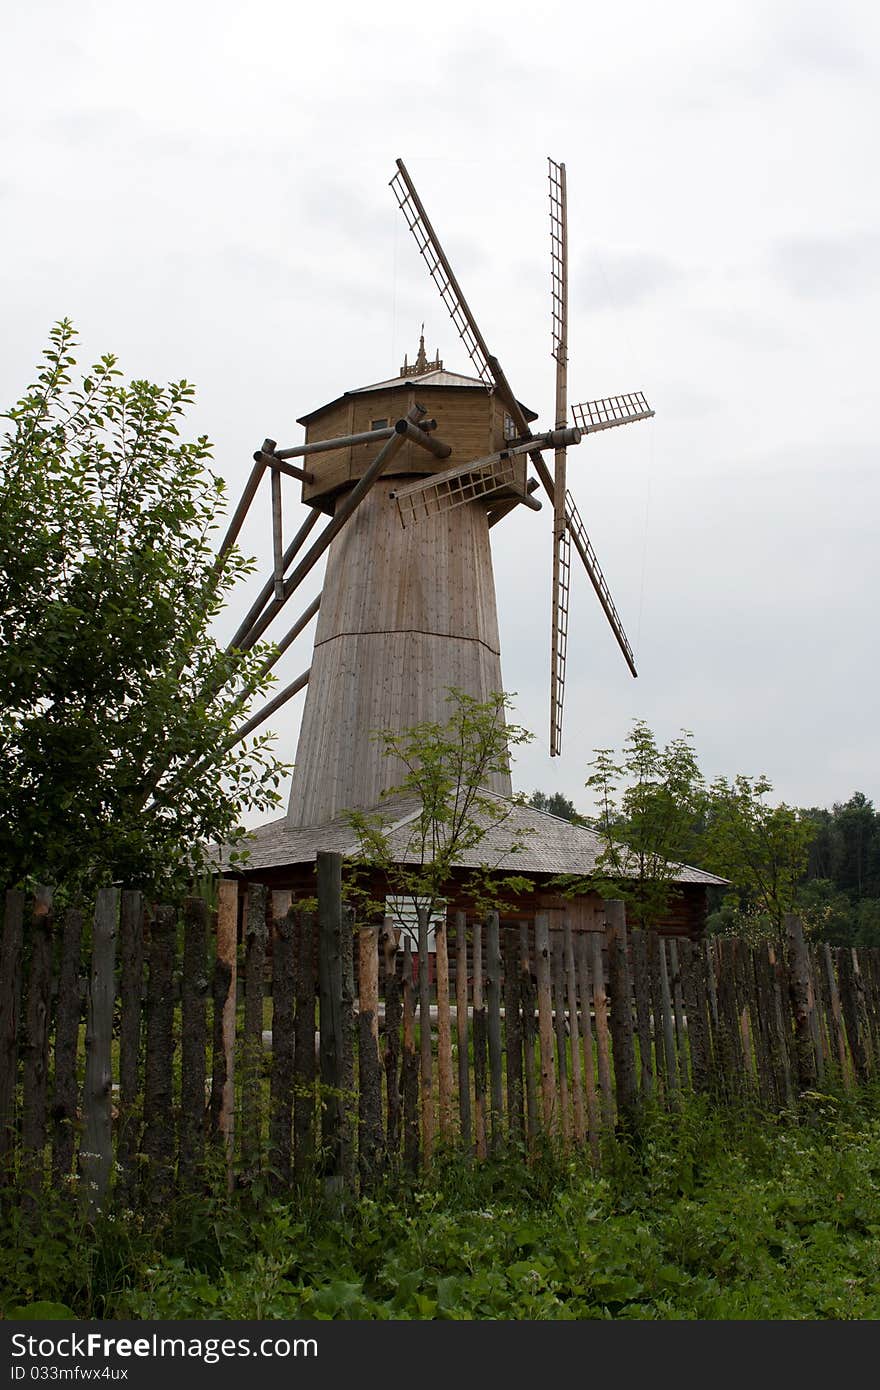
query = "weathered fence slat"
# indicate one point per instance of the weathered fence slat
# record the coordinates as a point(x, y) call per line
point(393, 1020)
point(479, 1045)
point(600, 1013)
point(282, 1075)
point(655, 992)
point(620, 987)
point(669, 1057)
point(131, 989)
point(513, 1037)
point(252, 1040)
point(577, 1080)
point(545, 1020)
point(642, 992)
point(370, 1145)
point(330, 987)
point(690, 962)
point(557, 968)
point(304, 1052)
point(96, 1155)
point(582, 965)
point(444, 1032)
point(347, 1164)
point(158, 1138)
point(193, 1040)
point(426, 1058)
point(67, 1019)
point(528, 1004)
point(461, 1028)
point(852, 1017)
point(801, 1002)
point(835, 1016)
point(493, 1000)
point(10, 1010)
point(410, 1074)
point(35, 1072)
point(675, 982)
point(224, 987)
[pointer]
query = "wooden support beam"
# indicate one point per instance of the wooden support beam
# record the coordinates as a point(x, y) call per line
point(274, 704)
point(423, 440)
point(349, 506)
point(277, 466)
point(533, 503)
point(277, 540)
point(291, 635)
point(265, 593)
point(343, 441)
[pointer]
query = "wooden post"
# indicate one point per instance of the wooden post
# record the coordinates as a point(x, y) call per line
point(493, 994)
point(642, 991)
point(304, 1053)
point(513, 1038)
point(426, 1061)
point(282, 1075)
point(444, 1032)
point(668, 1028)
point(224, 990)
point(410, 1075)
point(545, 1020)
point(479, 1045)
point(393, 1018)
point(330, 988)
point(34, 1108)
point(780, 1028)
point(252, 1050)
point(729, 1050)
point(577, 1080)
point(369, 1068)
point(801, 1002)
point(600, 1013)
point(67, 1018)
point(620, 987)
point(10, 1010)
point(528, 1004)
point(582, 964)
point(558, 983)
point(96, 1155)
point(461, 1028)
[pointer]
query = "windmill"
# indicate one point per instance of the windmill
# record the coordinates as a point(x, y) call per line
point(407, 606)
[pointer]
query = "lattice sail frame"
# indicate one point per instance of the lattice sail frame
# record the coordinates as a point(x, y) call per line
point(610, 411)
point(558, 262)
point(584, 547)
point(434, 496)
point(562, 572)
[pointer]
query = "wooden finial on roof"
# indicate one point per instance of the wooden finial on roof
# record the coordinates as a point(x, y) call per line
point(421, 365)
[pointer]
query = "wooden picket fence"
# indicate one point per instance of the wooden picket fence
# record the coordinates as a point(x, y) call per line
point(316, 1050)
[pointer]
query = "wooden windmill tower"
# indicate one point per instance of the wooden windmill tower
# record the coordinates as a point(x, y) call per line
point(414, 472)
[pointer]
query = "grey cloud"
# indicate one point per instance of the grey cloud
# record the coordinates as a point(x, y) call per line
point(828, 267)
point(623, 279)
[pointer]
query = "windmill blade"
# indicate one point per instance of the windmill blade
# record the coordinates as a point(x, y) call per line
point(561, 578)
point(611, 411)
point(584, 548)
point(561, 546)
point(488, 367)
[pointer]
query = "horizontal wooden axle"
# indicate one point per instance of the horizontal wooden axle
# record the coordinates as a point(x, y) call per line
point(425, 441)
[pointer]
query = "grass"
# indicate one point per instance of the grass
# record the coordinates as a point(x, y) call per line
point(708, 1214)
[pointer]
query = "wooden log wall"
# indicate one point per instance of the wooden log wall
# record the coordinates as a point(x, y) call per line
point(513, 1040)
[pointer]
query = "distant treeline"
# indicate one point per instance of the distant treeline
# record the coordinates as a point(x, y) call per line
point(838, 892)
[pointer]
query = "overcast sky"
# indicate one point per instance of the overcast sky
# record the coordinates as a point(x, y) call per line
point(203, 189)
